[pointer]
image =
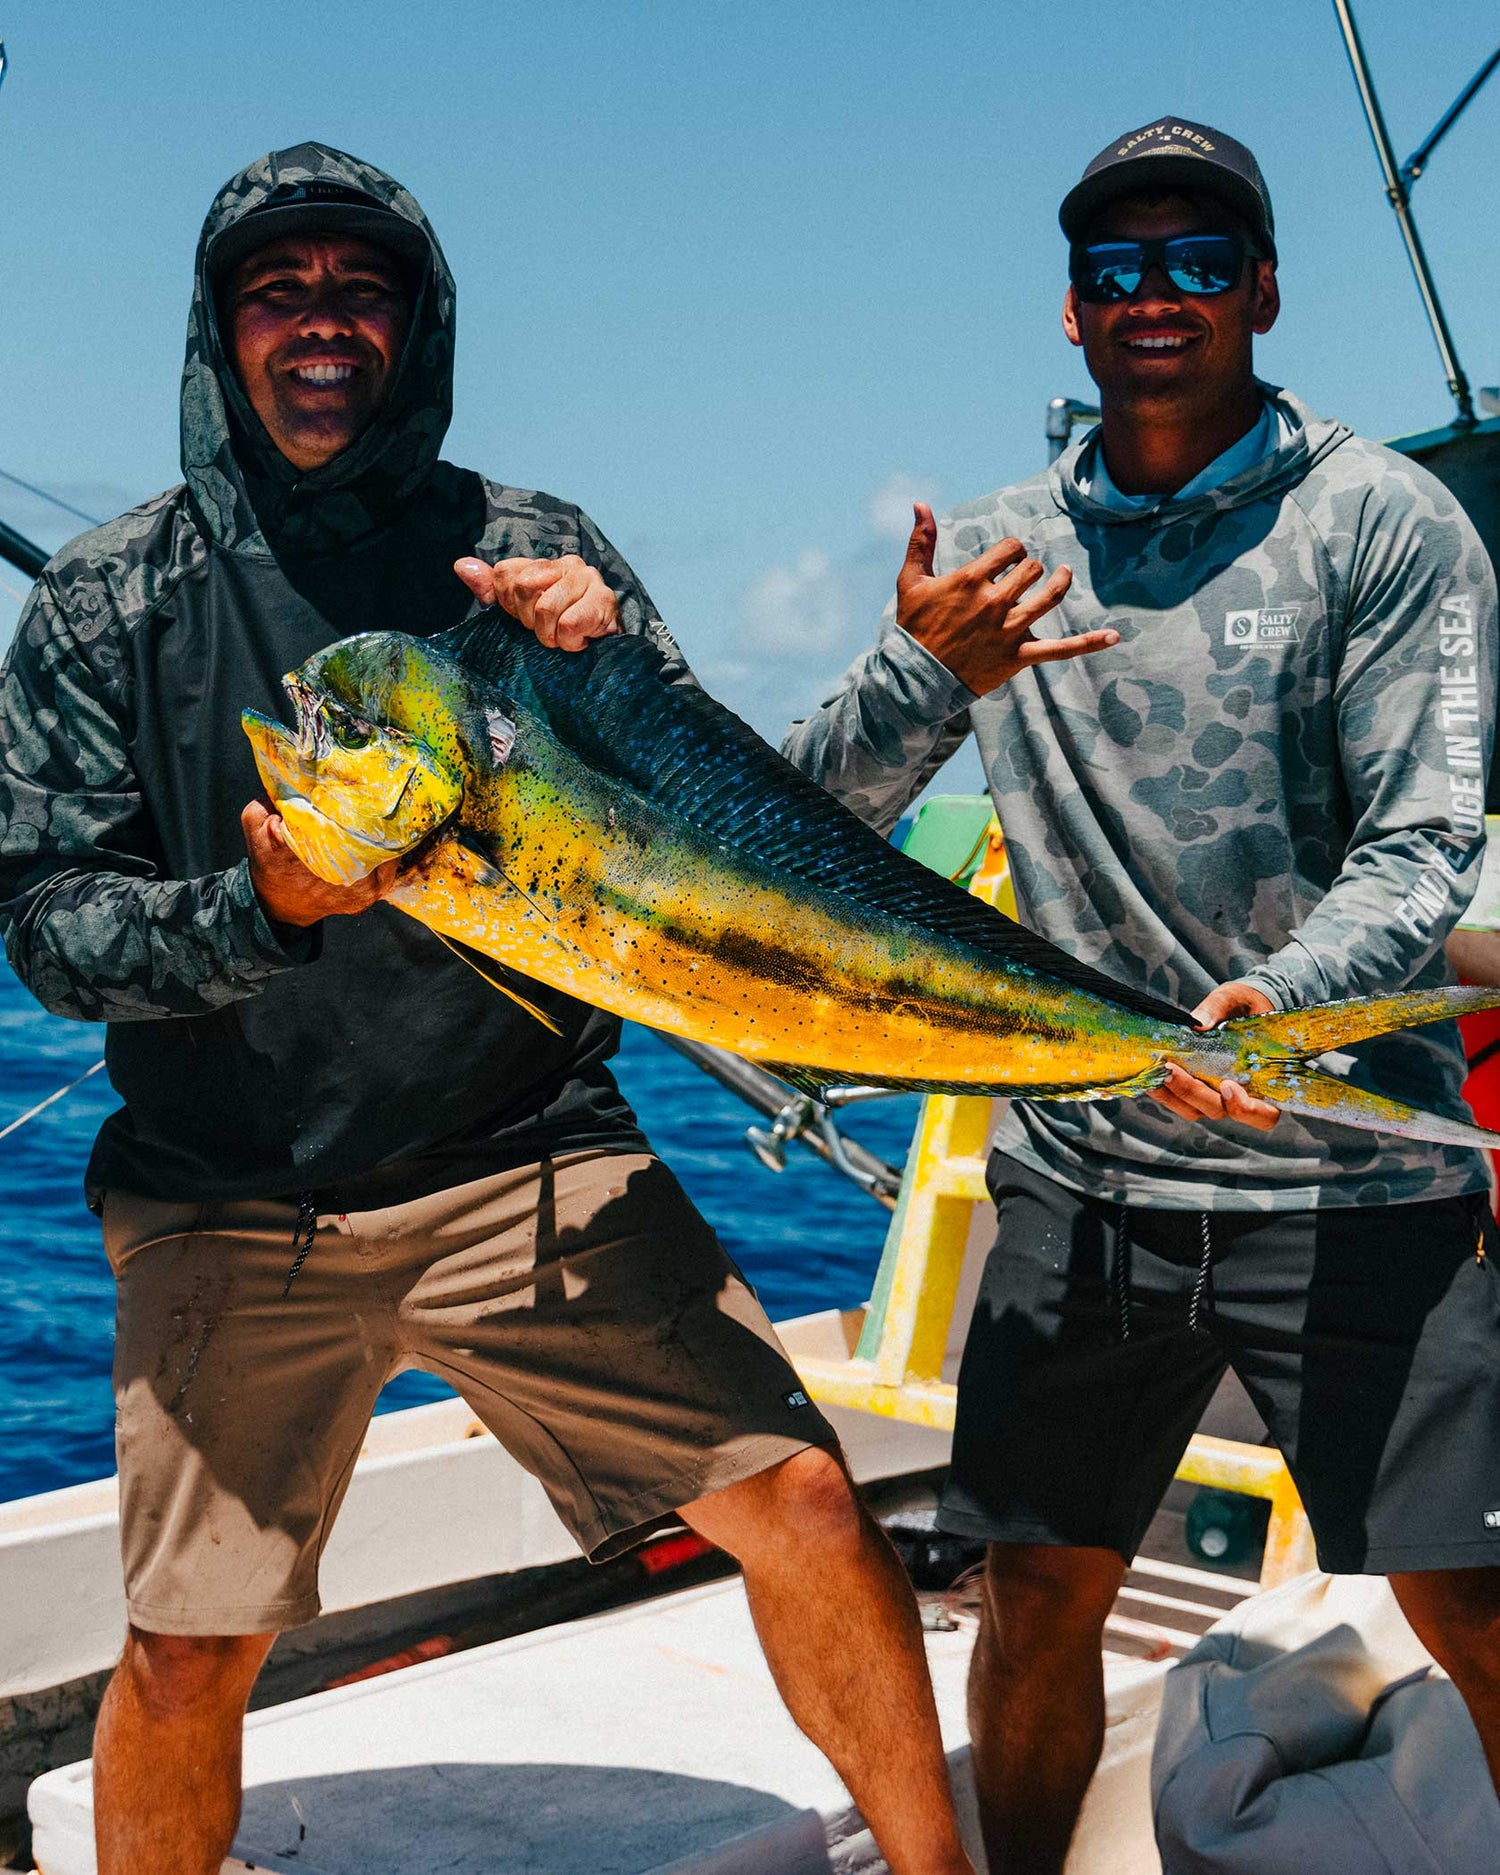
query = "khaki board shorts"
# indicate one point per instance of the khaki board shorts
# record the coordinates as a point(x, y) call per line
point(582, 1307)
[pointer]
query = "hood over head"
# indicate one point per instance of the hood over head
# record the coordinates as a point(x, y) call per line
point(1311, 438)
point(250, 497)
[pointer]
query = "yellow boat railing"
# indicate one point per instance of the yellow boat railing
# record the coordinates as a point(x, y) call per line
point(897, 1367)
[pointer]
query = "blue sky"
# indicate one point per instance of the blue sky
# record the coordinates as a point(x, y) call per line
point(739, 278)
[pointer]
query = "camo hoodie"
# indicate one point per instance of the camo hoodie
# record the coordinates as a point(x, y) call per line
point(1277, 776)
point(360, 1060)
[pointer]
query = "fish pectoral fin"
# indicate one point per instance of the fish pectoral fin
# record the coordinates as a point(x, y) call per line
point(401, 794)
point(1315, 1095)
point(495, 983)
point(481, 869)
point(486, 871)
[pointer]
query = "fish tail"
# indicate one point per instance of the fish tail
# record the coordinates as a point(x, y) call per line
point(1319, 1096)
point(1275, 1054)
point(1314, 1031)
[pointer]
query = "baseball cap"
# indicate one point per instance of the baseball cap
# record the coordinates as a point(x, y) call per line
point(1173, 153)
point(317, 208)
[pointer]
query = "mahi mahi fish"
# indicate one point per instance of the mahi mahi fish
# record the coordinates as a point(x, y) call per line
point(579, 821)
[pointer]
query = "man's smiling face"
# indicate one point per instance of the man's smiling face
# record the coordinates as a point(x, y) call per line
point(315, 325)
point(1163, 344)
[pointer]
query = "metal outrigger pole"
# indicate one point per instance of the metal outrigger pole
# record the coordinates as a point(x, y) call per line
point(1398, 187)
point(21, 552)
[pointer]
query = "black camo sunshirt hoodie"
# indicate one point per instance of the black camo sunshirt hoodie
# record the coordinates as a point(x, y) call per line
point(359, 1061)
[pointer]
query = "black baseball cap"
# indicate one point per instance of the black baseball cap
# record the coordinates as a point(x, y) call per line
point(318, 208)
point(1173, 153)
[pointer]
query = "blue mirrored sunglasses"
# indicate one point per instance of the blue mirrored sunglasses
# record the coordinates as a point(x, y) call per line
point(1201, 264)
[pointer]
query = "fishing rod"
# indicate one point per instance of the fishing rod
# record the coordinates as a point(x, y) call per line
point(42, 1105)
point(1399, 181)
point(46, 494)
point(22, 553)
point(16, 548)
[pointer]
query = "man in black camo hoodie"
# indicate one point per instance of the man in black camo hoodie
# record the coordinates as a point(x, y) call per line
point(303, 1066)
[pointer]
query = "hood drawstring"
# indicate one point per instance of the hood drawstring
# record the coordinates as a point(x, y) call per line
point(1120, 1272)
point(302, 1239)
point(1200, 1282)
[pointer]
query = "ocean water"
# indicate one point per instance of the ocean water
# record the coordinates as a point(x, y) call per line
point(806, 1238)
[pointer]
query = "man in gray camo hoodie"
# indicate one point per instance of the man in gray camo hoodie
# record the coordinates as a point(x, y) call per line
point(1239, 764)
point(340, 1153)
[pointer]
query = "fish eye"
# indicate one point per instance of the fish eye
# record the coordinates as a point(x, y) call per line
point(349, 732)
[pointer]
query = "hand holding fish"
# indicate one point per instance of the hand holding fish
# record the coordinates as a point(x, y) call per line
point(977, 619)
point(289, 893)
point(1191, 1099)
point(564, 601)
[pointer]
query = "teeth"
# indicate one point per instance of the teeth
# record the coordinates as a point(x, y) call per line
point(1157, 344)
point(323, 374)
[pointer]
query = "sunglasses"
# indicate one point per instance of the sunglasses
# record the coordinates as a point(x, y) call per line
point(1201, 264)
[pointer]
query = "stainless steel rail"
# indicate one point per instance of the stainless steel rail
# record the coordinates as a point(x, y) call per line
point(795, 1116)
point(1398, 185)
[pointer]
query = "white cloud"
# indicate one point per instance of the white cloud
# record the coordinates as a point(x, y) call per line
point(890, 506)
point(803, 620)
point(801, 611)
point(818, 606)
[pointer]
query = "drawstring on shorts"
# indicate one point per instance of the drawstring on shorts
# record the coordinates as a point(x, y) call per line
point(1200, 1282)
point(1119, 1275)
point(1120, 1271)
point(302, 1239)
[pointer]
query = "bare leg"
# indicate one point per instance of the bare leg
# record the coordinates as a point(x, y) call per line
point(167, 1752)
point(838, 1622)
point(1455, 1614)
point(1036, 1698)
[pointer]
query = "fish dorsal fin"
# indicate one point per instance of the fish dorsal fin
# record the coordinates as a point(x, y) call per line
point(685, 752)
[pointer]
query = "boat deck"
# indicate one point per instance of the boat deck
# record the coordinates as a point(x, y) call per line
point(645, 1741)
point(639, 1742)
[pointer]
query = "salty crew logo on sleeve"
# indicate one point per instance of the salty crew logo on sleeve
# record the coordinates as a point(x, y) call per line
point(1270, 625)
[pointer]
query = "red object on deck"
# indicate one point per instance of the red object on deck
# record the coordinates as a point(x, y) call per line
point(671, 1552)
point(432, 1649)
point(1481, 1035)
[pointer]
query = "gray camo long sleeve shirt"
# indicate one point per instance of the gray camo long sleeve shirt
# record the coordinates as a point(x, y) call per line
point(1276, 776)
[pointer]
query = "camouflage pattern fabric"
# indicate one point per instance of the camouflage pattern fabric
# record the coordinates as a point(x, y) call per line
point(88, 924)
point(1276, 776)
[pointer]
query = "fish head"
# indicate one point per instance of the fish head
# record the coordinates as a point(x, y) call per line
point(374, 766)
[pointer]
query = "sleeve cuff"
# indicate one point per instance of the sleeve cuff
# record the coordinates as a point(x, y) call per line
point(276, 945)
point(928, 691)
point(1288, 986)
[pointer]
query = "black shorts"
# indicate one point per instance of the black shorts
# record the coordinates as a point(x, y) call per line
point(1369, 1339)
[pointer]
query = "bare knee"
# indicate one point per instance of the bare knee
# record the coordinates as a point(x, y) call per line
point(173, 1675)
point(1455, 1613)
point(1043, 1606)
point(805, 1504)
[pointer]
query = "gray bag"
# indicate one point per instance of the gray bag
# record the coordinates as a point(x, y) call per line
point(1309, 1731)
